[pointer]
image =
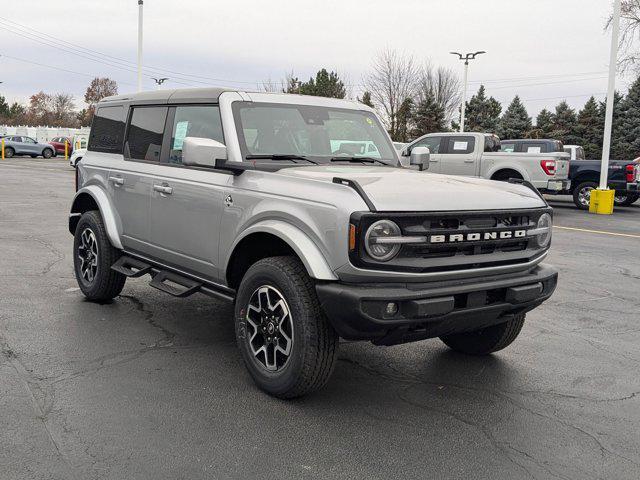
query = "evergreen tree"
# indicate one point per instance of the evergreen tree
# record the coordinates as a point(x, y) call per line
point(590, 129)
point(326, 84)
point(4, 108)
point(404, 119)
point(516, 122)
point(626, 118)
point(544, 125)
point(366, 99)
point(428, 116)
point(564, 126)
point(482, 114)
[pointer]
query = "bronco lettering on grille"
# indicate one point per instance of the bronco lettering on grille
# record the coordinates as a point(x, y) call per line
point(476, 236)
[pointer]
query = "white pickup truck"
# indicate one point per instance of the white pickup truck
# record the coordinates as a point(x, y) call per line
point(478, 155)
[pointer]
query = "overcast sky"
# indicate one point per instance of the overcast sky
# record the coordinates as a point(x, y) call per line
point(543, 50)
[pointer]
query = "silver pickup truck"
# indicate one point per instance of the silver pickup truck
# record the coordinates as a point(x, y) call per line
point(253, 198)
point(478, 155)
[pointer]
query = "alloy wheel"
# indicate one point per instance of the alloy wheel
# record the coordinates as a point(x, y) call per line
point(584, 195)
point(270, 337)
point(88, 255)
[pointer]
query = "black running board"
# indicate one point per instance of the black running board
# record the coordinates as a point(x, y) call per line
point(174, 284)
point(130, 267)
point(169, 280)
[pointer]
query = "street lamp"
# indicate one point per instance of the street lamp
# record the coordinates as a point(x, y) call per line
point(159, 81)
point(140, 2)
point(466, 57)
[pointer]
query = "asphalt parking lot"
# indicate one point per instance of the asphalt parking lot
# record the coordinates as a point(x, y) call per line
point(150, 386)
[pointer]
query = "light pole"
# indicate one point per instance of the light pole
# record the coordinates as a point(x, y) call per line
point(159, 81)
point(466, 57)
point(601, 200)
point(140, 3)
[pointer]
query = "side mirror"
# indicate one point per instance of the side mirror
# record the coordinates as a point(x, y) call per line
point(202, 152)
point(420, 157)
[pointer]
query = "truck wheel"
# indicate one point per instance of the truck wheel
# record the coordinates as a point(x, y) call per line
point(93, 256)
point(582, 194)
point(486, 340)
point(9, 152)
point(626, 199)
point(287, 343)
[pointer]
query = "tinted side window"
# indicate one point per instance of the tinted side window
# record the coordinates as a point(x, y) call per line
point(202, 121)
point(432, 142)
point(107, 130)
point(491, 143)
point(144, 137)
point(461, 145)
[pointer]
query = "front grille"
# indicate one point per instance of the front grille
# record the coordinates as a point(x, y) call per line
point(455, 240)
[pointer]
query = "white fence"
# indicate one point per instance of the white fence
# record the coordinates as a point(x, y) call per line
point(80, 136)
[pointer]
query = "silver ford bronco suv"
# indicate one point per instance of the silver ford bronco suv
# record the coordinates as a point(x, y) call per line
point(297, 209)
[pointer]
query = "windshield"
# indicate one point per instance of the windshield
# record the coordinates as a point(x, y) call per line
point(319, 133)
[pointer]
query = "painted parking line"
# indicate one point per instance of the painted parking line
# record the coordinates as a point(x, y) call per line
point(601, 232)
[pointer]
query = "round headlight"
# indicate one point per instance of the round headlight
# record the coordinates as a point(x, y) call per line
point(375, 244)
point(544, 223)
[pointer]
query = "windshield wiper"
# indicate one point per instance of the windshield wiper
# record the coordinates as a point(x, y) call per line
point(359, 159)
point(280, 156)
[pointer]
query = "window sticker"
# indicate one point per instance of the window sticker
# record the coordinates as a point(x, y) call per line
point(181, 132)
point(533, 150)
point(460, 145)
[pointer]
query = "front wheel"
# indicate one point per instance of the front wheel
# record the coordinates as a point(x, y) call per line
point(93, 256)
point(486, 340)
point(286, 341)
point(582, 194)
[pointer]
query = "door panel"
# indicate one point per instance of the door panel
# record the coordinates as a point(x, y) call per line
point(459, 157)
point(186, 208)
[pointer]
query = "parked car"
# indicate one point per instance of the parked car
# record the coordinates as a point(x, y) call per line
point(76, 156)
point(530, 145)
point(479, 155)
point(58, 144)
point(21, 145)
point(241, 196)
point(623, 177)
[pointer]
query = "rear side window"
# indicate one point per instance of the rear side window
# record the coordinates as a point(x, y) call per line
point(461, 145)
point(107, 130)
point(145, 134)
point(202, 121)
point(491, 143)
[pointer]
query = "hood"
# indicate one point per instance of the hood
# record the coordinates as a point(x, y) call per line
point(405, 190)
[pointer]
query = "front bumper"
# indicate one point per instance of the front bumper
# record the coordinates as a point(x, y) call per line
point(558, 185)
point(427, 310)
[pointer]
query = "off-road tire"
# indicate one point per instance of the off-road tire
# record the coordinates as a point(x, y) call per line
point(47, 153)
point(577, 194)
point(9, 152)
point(315, 342)
point(629, 199)
point(486, 340)
point(107, 283)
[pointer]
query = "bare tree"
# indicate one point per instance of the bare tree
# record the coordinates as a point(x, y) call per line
point(629, 45)
point(99, 88)
point(393, 80)
point(63, 114)
point(443, 86)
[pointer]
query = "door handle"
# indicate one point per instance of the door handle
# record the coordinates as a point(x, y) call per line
point(433, 160)
point(117, 181)
point(164, 189)
point(470, 161)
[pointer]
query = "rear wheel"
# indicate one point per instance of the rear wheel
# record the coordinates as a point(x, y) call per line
point(93, 256)
point(287, 343)
point(486, 340)
point(9, 152)
point(624, 200)
point(582, 194)
point(47, 153)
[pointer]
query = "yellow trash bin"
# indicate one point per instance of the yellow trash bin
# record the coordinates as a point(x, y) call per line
point(601, 201)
